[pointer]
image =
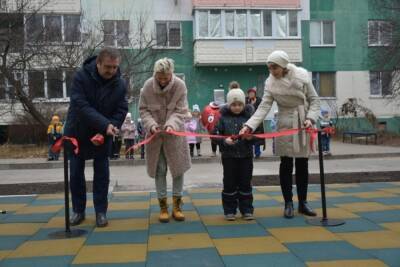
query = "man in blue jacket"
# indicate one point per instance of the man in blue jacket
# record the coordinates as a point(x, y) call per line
point(98, 106)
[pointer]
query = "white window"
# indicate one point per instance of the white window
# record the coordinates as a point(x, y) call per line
point(53, 28)
point(379, 33)
point(322, 33)
point(247, 23)
point(116, 33)
point(380, 83)
point(168, 34)
point(6, 89)
point(324, 83)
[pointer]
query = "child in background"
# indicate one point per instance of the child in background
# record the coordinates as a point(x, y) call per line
point(54, 132)
point(141, 135)
point(199, 129)
point(325, 122)
point(128, 131)
point(273, 125)
point(209, 118)
point(237, 157)
point(190, 126)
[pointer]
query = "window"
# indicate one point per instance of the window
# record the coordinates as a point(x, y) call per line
point(247, 23)
point(12, 31)
point(72, 28)
point(380, 83)
point(168, 34)
point(322, 33)
point(324, 83)
point(6, 89)
point(36, 84)
point(69, 76)
point(379, 33)
point(53, 30)
point(34, 28)
point(54, 84)
point(116, 33)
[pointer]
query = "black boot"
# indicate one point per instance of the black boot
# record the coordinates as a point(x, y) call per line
point(289, 210)
point(305, 209)
point(101, 219)
point(76, 218)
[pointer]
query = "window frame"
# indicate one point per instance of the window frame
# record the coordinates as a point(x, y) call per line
point(380, 84)
point(168, 29)
point(317, 86)
point(380, 44)
point(115, 33)
point(321, 22)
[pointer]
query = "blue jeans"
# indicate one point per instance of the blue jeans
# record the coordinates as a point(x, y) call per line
point(101, 181)
point(325, 141)
point(257, 150)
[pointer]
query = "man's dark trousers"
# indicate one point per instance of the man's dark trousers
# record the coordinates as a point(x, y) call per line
point(101, 180)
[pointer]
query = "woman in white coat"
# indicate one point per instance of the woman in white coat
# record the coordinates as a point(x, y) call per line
point(298, 104)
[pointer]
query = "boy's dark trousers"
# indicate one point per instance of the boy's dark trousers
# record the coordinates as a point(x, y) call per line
point(286, 179)
point(128, 144)
point(325, 138)
point(237, 185)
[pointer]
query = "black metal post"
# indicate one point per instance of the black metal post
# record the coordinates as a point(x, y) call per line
point(67, 233)
point(324, 221)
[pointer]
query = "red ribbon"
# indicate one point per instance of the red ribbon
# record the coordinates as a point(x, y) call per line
point(311, 131)
point(56, 148)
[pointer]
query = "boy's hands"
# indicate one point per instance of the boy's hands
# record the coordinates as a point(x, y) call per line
point(230, 141)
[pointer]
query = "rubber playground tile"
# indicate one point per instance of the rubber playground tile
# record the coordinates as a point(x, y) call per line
point(356, 225)
point(48, 248)
point(137, 205)
point(364, 206)
point(266, 203)
point(390, 189)
point(381, 216)
point(204, 210)
point(179, 241)
point(16, 199)
point(268, 212)
point(373, 239)
point(185, 257)
point(345, 199)
point(347, 263)
point(125, 225)
point(205, 196)
point(262, 260)
point(11, 242)
point(254, 245)
point(279, 222)
point(356, 189)
point(327, 251)
point(233, 231)
point(4, 254)
point(53, 261)
point(185, 200)
point(59, 222)
point(388, 200)
point(120, 237)
point(219, 219)
point(302, 234)
point(267, 189)
point(47, 202)
point(207, 202)
point(260, 197)
point(39, 209)
point(28, 218)
point(204, 190)
point(132, 198)
point(126, 214)
point(389, 256)
point(129, 264)
point(338, 213)
point(121, 253)
point(185, 208)
point(177, 228)
point(43, 234)
point(395, 226)
point(11, 207)
point(19, 228)
point(374, 194)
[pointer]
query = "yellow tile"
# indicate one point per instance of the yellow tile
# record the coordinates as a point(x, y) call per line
point(205, 190)
point(11, 207)
point(327, 194)
point(129, 194)
point(134, 205)
point(48, 248)
point(347, 263)
point(253, 245)
point(302, 234)
point(59, 222)
point(179, 241)
point(278, 198)
point(395, 190)
point(261, 197)
point(4, 254)
point(395, 226)
point(372, 240)
point(268, 212)
point(125, 225)
point(190, 216)
point(52, 196)
point(219, 220)
point(364, 206)
point(207, 202)
point(123, 253)
point(268, 188)
point(339, 186)
point(19, 228)
point(186, 199)
point(374, 194)
point(337, 213)
point(39, 209)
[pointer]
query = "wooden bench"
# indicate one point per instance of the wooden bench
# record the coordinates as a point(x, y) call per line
point(367, 135)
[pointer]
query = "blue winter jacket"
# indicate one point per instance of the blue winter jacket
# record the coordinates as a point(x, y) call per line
point(95, 103)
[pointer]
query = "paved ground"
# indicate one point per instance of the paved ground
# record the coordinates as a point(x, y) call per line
point(370, 237)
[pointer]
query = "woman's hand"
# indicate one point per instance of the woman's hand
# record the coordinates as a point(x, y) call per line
point(154, 129)
point(168, 129)
point(229, 141)
point(308, 123)
point(245, 130)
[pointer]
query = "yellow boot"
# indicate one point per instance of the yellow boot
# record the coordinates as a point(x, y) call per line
point(177, 209)
point(164, 216)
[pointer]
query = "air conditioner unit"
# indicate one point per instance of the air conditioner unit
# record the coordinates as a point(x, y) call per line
point(3, 5)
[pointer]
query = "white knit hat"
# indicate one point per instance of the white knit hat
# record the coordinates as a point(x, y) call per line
point(196, 108)
point(236, 95)
point(279, 57)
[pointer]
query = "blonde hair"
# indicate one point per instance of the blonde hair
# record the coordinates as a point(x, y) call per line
point(164, 65)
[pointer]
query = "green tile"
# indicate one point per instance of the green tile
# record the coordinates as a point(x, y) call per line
point(232, 231)
point(263, 260)
point(381, 216)
point(117, 237)
point(279, 222)
point(390, 256)
point(57, 261)
point(176, 228)
point(355, 225)
point(184, 257)
point(11, 242)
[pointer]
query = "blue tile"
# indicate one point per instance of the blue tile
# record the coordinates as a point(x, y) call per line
point(117, 198)
point(176, 228)
point(126, 214)
point(185, 207)
point(263, 260)
point(29, 218)
point(11, 242)
point(358, 189)
point(204, 210)
point(381, 216)
point(130, 264)
point(390, 256)
point(318, 204)
point(43, 234)
point(276, 193)
point(232, 231)
point(88, 211)
point(17, 200)
point(185, 257)
point(120, 237)
point(56, 261)
point(355, 225)
point(278, 222)
point(46, 202)
point(266, 203)
point(388, 200)
point(206, 195)
point(378, 185)
point(344, 199)
point(325, 251)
